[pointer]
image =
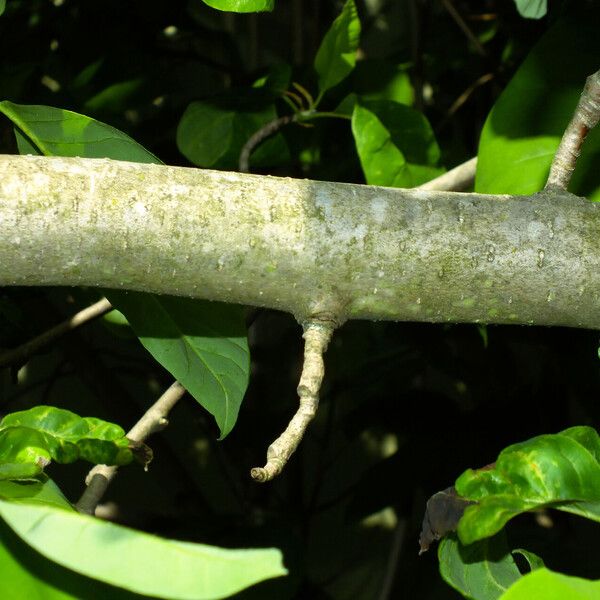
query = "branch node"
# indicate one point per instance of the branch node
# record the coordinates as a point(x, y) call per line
point(317, 334)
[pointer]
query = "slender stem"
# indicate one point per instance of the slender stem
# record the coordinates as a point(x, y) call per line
point(153, 420)
point(449, 6)
point(316, 335)
point(18, 356)
point(458, 179)
point(585, 118)
point(257, 138)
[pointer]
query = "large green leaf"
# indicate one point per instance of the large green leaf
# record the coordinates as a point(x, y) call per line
point(532, 9)
point(211, 134)
point(137, 561)
point(203, 344)
point(336, 56)
point(523, 130)
point(30, 439)
point(2, 6)
point(559, 470)
point(395, 144)
point(242, 6)
point(192, 339)
point(543, 584)
point(58, 132)
point(481, 571)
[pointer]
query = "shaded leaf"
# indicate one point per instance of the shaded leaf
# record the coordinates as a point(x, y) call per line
point(213, 133)
point(137, 561)
point(2, 6)
point(395, 144)
point(183, 331)
point(543, 584)
point(202, 344)
point(336, 56)
point(480, 571)
point(382, 80)
point(442, 514)
point(523, 130)
point(532, 9)
point(559, 470)
point(41, 491)
point(241, 6)
point(31, 439)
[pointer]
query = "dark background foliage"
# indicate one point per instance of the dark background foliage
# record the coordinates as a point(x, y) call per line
point(405, 407)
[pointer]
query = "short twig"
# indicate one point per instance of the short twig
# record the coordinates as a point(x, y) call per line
point(456, 180)
point(18, 356)
point(153, 420)
point(449, 6)
point(262, 134)
point(585, 118)
point(316, 339)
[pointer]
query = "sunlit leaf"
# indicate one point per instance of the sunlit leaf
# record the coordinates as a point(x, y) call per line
point(30, 439)
point(561, 471)
point(137, 561)
point(58, 132)
point(543, 584)
point(336, 56)
point(532, 9)
point(242, 6)
point(395, 144)
point(523, 130)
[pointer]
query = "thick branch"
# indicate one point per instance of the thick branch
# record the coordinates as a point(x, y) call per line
point(309, 248)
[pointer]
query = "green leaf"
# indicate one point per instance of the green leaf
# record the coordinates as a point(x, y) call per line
point(41, 491)
point(532, 9)
point(543, 584)
point(395, 144)
point(559, 470)
point(533, 560)
point(2, 6)
point(523, 130)
point(211, 134)
point(481, 571)
point(195, 346)
point(30, 439)
point(376, 79)
point(26, 575)
point(58, 132)
point(242, 6)
point(137, 561)
point(336, 56)
point(202, 344)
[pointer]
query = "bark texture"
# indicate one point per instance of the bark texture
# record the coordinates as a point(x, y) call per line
point(330, 250)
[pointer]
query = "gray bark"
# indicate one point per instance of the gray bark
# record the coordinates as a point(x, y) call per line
point(315, 249)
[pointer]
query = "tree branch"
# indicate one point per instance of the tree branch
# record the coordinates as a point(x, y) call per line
point(18, 356)
point(316, 339)
point(309, 248)
point(153, 420)
point(456, 180)
point(585, 118)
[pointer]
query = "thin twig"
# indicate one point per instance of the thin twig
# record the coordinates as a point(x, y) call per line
point(316, 339)
point(585, 118)
point(257, 138)
point(463, 25)
point(153, 420)
point(18, 356)
point(456, 180)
